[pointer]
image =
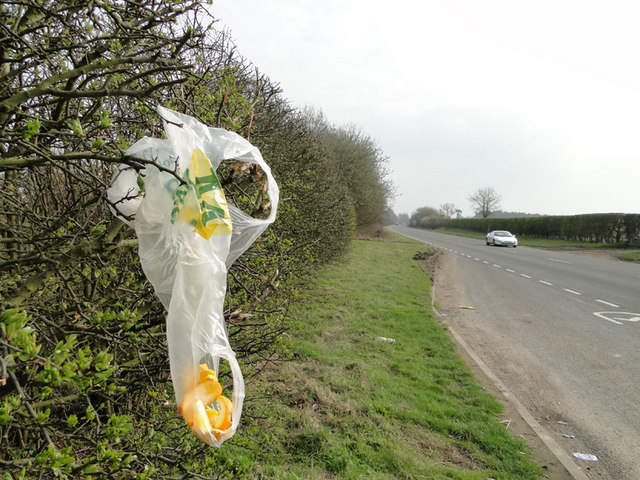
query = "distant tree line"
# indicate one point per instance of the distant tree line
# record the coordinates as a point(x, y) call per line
point(505, 214)
point(391, 218)
point(84, 371)
point(612, 228)
point(428, 217)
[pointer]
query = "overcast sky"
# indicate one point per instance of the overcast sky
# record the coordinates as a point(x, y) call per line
point(539, 100)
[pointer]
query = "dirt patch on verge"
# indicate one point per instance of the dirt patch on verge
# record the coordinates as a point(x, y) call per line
point(428, 261)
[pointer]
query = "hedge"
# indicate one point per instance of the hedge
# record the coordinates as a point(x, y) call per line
point(619, 228)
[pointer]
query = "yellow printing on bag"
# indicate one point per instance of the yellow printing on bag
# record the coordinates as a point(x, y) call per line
point(201, 201)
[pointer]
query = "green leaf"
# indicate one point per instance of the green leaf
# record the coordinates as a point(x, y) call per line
point(105, 120)
point(33, 128)
point(72, 420)
point(76, 127)
point(118, 425)
point(97, 144)
point(90, 413)
point(45, 392)
point(98, 229)
point(5, 413)
point(42, 417)
point(92, 469)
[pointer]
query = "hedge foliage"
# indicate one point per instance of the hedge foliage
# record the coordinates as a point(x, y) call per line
point(84, 376)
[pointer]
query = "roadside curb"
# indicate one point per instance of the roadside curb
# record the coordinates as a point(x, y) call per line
point(556, 450)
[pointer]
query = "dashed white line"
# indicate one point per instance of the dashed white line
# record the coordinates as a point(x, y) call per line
point(608, 303)
point(613, 305)
point(571, 291)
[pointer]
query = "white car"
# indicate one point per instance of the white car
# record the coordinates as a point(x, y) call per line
point(502, 237)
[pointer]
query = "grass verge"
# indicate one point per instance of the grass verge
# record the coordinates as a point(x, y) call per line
point(630, 256)
point(348, 407)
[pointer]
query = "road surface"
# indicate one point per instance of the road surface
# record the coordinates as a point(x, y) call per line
point(562, 331)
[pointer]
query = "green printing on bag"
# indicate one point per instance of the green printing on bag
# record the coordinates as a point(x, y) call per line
point(206, 209)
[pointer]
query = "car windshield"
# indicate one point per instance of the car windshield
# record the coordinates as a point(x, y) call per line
point(503, 234)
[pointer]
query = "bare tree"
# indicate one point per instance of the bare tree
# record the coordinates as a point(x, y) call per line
point(485, 201)
point(448, 210)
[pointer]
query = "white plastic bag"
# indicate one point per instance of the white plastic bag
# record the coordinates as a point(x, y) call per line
point(188, 236)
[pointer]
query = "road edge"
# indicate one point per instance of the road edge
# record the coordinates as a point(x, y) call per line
point(556, 450)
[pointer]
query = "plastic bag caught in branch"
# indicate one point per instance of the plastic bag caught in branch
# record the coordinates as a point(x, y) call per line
point(188, 236)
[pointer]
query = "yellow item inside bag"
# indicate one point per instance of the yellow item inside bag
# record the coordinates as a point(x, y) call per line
point(205, 409)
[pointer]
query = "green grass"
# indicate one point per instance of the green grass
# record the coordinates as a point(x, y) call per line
point(348, 407)
point(630, 256)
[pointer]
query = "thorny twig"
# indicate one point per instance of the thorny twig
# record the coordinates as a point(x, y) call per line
point(3, 375)
point(30, 409)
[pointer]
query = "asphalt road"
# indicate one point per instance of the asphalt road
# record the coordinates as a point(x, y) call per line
point(562, 331)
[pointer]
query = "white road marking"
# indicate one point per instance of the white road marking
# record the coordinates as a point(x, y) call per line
point(608, 303)
point(497, 266)
point(509, 270)
point(572, 291)
point(525, 276)
point(546, 283)
point(476, 258)
point(618, 318)
point(559, 261)
point(484, 261)
point(601, 315)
